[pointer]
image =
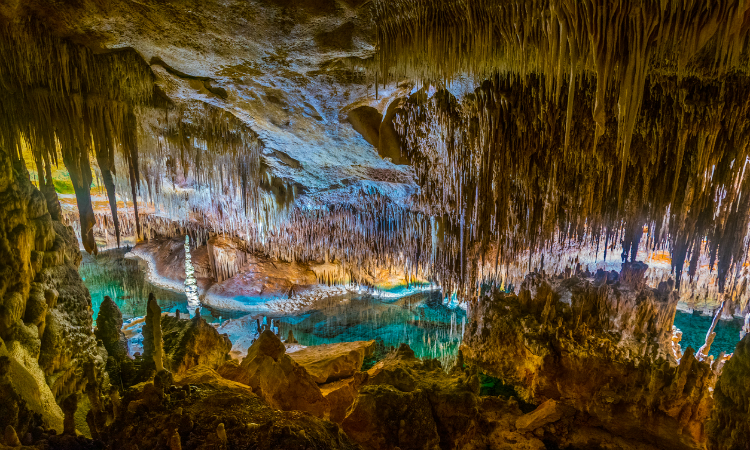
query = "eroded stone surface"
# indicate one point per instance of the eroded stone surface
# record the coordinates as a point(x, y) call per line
point(331, 362)
point(276, 377)
point(603, 349)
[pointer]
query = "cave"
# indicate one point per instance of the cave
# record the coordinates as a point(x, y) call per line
point(375, 224)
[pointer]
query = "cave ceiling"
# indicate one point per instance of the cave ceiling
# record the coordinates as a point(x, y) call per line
point(448, 137)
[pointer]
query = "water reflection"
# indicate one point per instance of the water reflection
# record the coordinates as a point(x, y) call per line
point(124, 280)
point(421, 320)
point(695, 326)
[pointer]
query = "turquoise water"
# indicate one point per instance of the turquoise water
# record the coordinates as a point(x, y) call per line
point(124, 280)
point(431, 328)
point(421, 320)
point(695, 326)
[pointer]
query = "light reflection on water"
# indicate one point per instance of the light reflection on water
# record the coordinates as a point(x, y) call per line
point(124, 280)
point(431, 329)
point(695, 326)
point(420, 319)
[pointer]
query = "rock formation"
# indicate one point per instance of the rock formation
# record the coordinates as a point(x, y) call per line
point(729, 426)
point(192, 342)
point(276, 378)
point(109, 329)
point(45, 316)
point(331, 362)
point(602, 348)
point(153, 345)
point(208, 411)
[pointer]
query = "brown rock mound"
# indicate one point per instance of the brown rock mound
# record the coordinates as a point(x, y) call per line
point(276, 378)
point(729, 426)
point(331, 362)
point(203, 410)
point(192, 342)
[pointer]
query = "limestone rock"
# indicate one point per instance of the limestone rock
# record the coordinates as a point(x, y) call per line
point(548, 412)
point(341, 394)
point(200, 402)
point(276, 378)
point(192, 342)
point(109, 329)
point(331, 362)
point(603, 349)
point(729, 425)
point(366, 121)
point(384, 417)
point(153, 346)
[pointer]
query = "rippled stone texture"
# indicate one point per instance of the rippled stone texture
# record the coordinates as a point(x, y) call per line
point(600, 346)
point(45, 311)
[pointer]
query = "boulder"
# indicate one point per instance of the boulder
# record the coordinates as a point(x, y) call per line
point(330, 362)
point(548, 412)
point(276, 377)
point(341, 394)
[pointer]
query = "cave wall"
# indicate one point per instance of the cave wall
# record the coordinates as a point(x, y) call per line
point(600, 344)
point(45, 311)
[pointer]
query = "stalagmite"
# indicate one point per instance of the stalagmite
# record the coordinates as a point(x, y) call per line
point(191, 286)
point(152, 339)
point(702, 352)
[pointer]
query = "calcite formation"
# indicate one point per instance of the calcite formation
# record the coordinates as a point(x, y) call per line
point(729, 425)
point(276, 377)
point(45, 319)
point(262, 148)
point(192, 342)
point(600, 347)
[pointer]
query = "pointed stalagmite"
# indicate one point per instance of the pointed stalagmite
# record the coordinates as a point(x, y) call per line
point(153, 347)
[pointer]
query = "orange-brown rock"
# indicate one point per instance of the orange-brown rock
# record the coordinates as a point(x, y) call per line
point(276, 378)
point(192, 342)
point(341, 394)
point(729, 426)
point(331, 362)
point(207, 411)
point(599, 346)
point(548, 412)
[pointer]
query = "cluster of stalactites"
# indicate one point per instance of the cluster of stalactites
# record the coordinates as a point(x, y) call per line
point(494, 166)
point(59, 98)
point(618, 41)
